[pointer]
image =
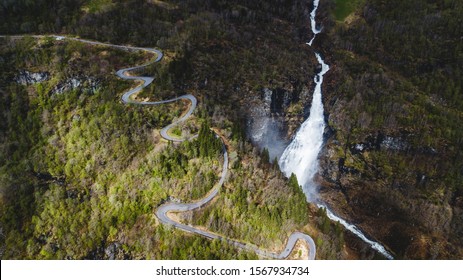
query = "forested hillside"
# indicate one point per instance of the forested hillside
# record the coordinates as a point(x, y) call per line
point(394, 102)
point(82, 174)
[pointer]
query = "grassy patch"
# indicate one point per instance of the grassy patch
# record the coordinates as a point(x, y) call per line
point(346, 7)
point(95, 6)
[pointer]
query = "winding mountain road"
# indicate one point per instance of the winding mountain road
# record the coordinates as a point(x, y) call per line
point(164, 209)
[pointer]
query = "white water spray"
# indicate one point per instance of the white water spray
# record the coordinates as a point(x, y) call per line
point(313, 22)
point(301, 156)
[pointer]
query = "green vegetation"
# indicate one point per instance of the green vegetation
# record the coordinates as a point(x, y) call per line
point(346, 7)
point(210, 145)
point(396, 89)
point(95, 6)
point(262, 201)
point(81, 174)
point(65, 177)
point(70, 188)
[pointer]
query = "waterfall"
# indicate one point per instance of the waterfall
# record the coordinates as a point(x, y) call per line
point(301, 155)
point(313, 22)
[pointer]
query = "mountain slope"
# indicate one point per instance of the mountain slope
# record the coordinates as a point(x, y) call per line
point(82, 174)
point(393, 160)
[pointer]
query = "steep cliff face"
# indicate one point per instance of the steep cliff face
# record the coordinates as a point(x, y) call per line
point(393, 162)
point(275, 114)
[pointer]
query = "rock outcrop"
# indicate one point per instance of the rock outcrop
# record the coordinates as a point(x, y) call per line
point(25, 77)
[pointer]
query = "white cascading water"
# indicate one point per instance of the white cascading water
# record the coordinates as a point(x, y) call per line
point(313, 22)
point(301, 156)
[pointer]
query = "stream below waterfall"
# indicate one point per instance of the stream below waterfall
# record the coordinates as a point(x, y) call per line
point(301, 155)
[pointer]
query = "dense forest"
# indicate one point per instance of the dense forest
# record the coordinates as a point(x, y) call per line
point(81, 174)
